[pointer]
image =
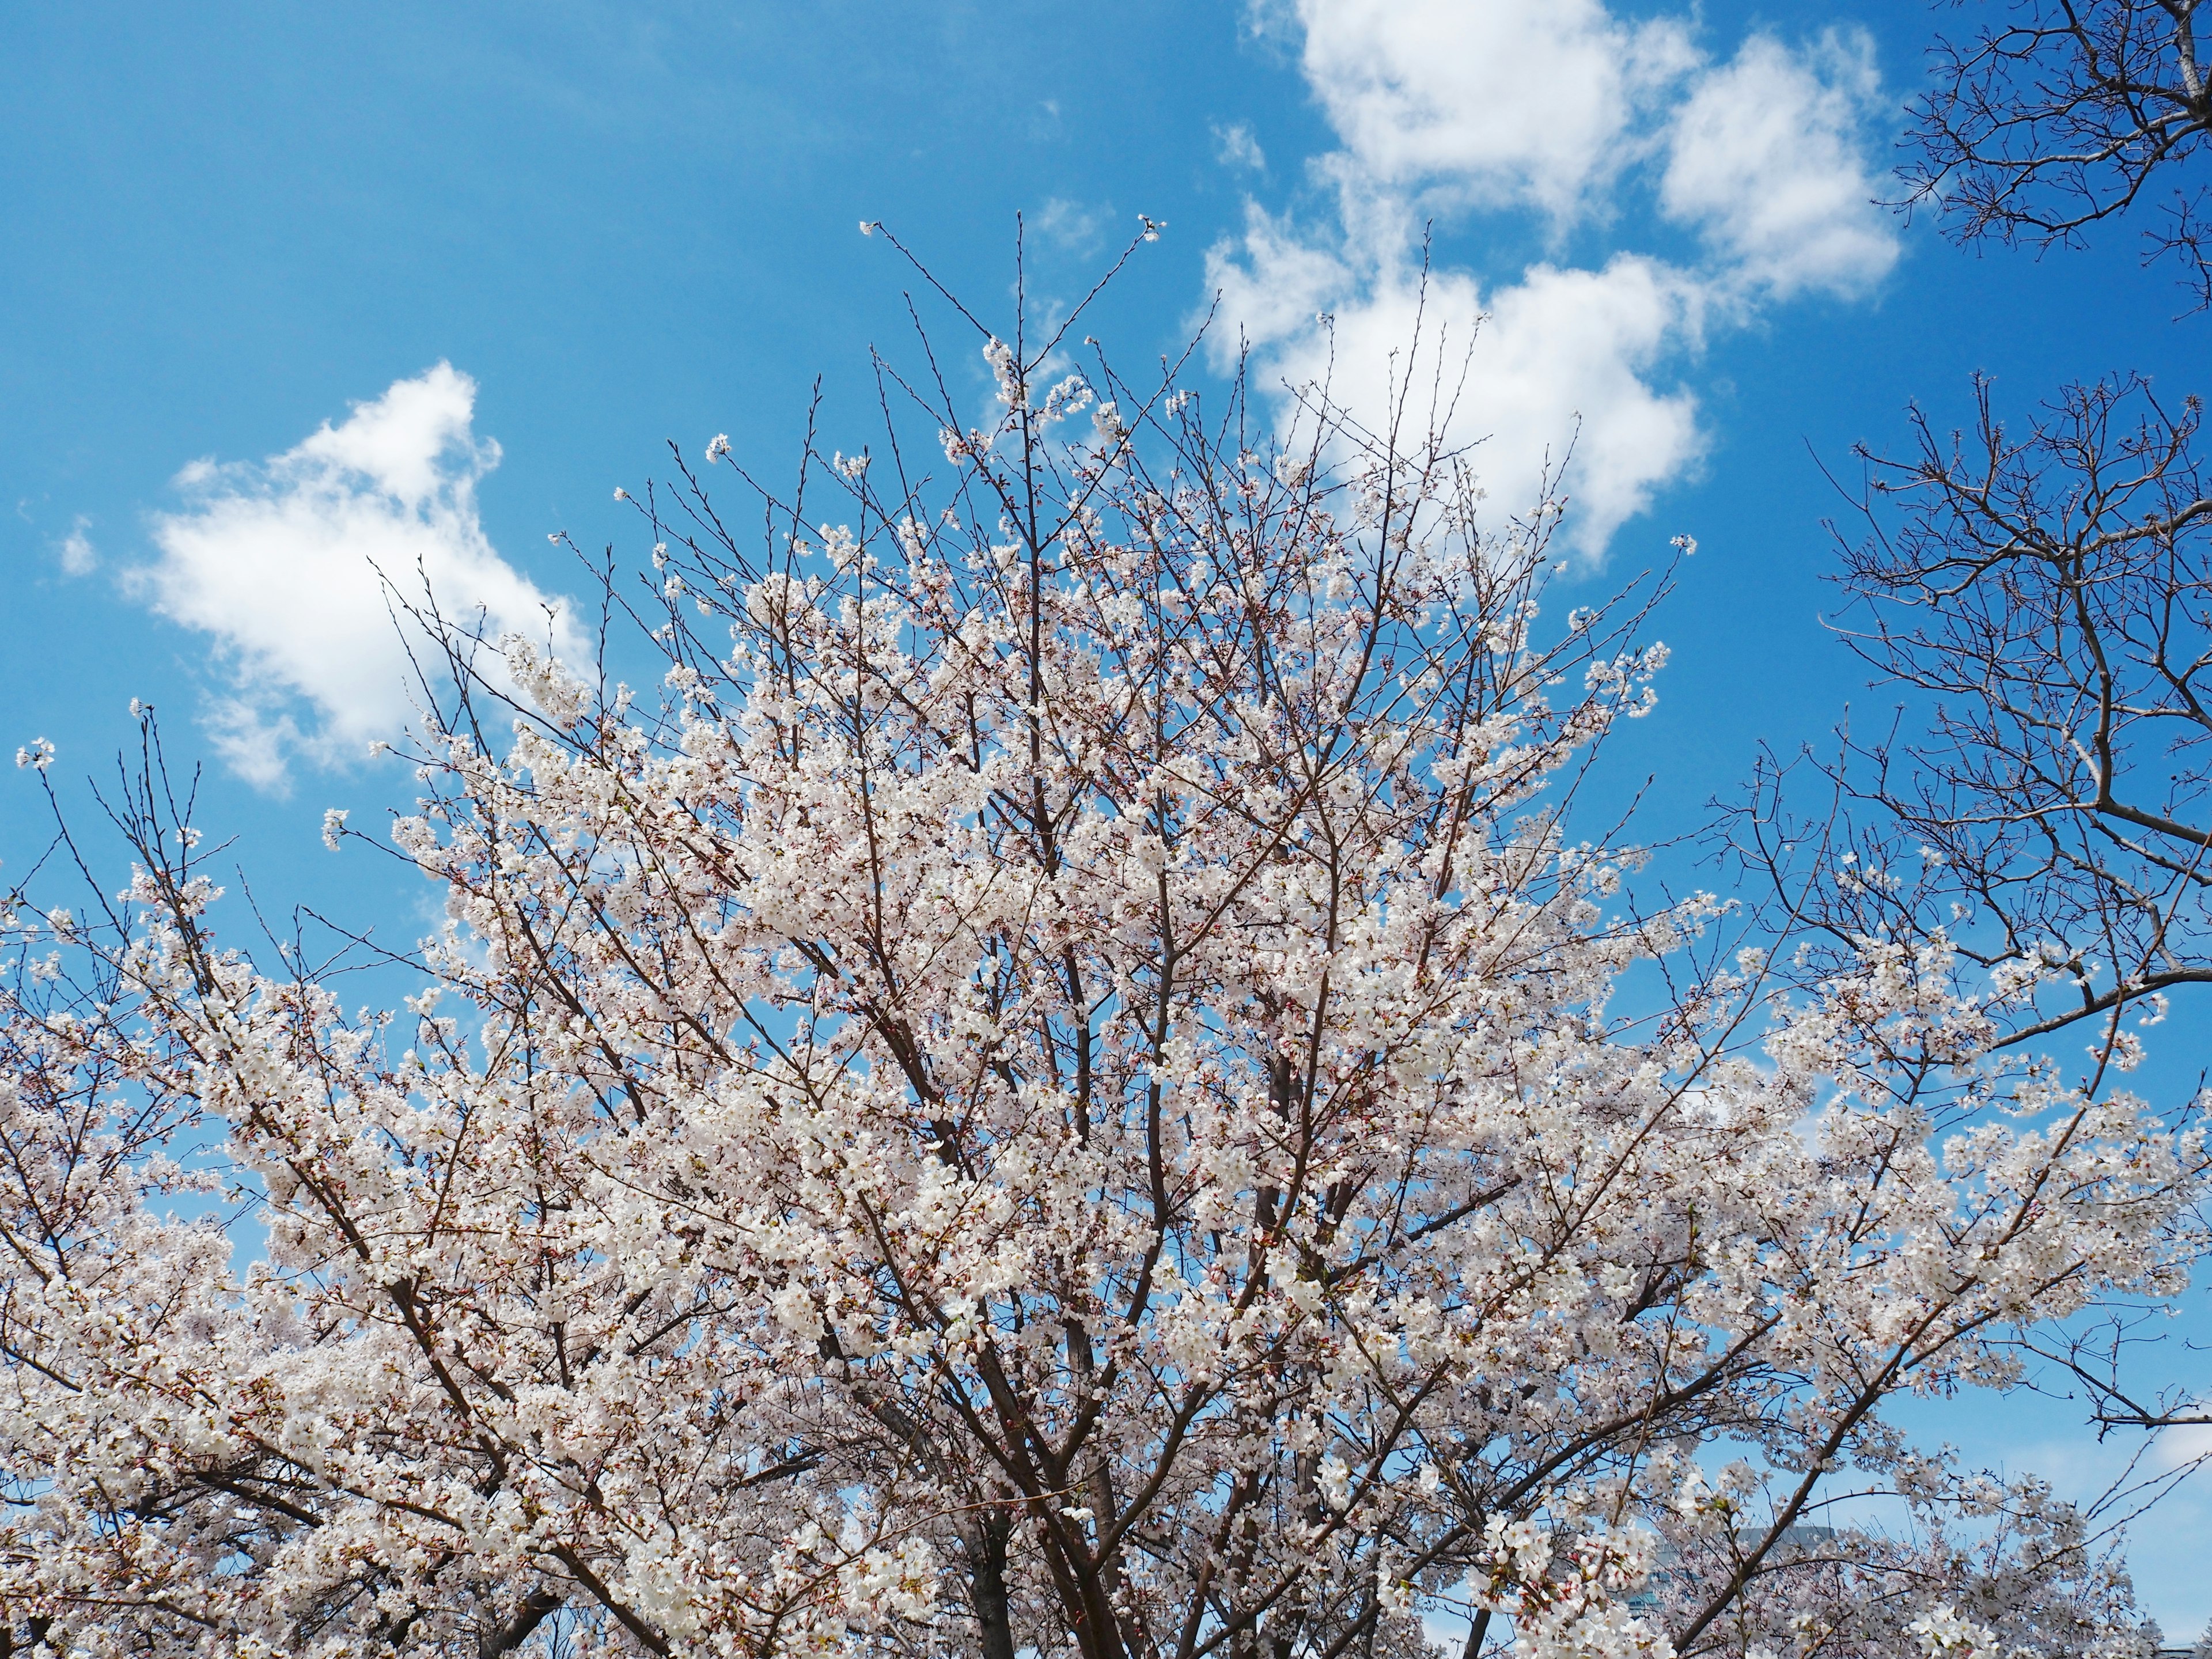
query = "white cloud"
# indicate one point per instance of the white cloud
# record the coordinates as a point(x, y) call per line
point(1235, 146)
point(2183, 1445)
point(1068, 224)
point(78, 555)
point(1493, 102)
point(1273, 282)
point(285, 563)
point(1766, 158)
point(1560, 357)
point(1558, 113)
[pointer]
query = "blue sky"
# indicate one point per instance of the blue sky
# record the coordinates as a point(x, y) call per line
point(618, 225)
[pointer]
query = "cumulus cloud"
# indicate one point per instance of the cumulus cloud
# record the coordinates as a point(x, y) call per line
point(1563, 115)
point(1493, 102)
point(289, 565)
point(1766, 157)
point(1560, 358)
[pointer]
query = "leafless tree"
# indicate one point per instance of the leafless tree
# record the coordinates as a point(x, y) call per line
point(2048, 592)
point(2068, 113)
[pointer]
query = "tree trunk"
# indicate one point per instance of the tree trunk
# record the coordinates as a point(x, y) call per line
point(984, 1540)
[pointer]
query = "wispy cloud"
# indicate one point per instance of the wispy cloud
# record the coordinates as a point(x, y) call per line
point(1560, 115)
point(1235, 146)
point(290, 564)
point(2183, 1445)
point(1069, 225)
point(78, 555)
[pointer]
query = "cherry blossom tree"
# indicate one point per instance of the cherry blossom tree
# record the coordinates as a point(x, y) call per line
point(1069, 1082)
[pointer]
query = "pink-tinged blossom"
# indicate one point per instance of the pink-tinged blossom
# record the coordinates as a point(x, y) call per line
point(1059, 1093)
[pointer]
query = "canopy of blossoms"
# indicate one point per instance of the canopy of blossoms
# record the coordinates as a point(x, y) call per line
point(1069, 1083)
